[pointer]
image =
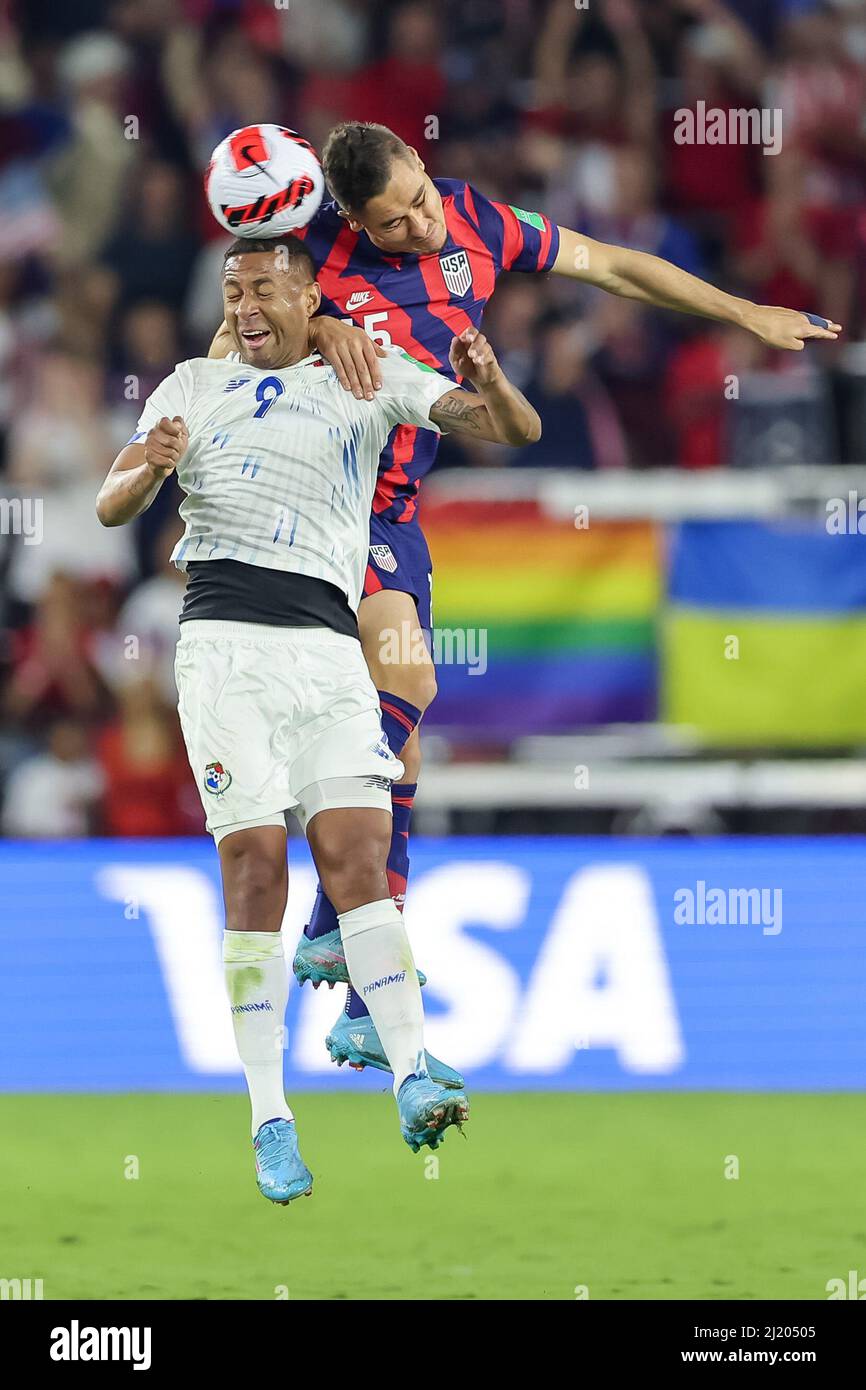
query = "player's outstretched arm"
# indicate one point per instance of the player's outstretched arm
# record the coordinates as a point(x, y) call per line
point(139, 471)
point(496, 410)
point(649, 279)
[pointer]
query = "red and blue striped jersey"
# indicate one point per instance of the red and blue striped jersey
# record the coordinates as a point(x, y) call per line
point(419, 303)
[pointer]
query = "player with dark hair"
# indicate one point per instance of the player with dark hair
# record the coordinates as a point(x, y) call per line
point(412, 261)
point(279, 465)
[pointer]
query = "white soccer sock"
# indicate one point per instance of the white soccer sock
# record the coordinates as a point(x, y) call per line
point(258, 988)
point(383, 972)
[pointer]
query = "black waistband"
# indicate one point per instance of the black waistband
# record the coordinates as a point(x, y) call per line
point(232, 592)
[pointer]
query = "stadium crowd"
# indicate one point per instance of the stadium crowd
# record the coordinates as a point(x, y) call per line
point(109, 258)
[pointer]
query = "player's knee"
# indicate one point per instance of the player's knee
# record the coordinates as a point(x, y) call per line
point(415, 683)
point(353, 872)
point(254, 882)
point(425, 686)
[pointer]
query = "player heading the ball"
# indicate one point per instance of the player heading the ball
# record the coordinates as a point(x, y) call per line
point(278, 465)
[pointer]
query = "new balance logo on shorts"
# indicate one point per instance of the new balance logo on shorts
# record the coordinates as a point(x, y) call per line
point(383, 558)
point(385, 980)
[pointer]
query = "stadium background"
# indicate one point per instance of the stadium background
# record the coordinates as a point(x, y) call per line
point(651, 634)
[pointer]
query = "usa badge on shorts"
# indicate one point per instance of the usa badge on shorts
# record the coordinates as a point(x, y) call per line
point(217, 779)
point(383, 557)
point(456, 272)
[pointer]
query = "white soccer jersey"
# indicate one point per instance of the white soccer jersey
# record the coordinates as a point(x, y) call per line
point(281, 465)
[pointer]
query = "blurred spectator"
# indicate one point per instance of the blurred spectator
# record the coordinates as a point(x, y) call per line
point(148, 624)
point(788, 250)
point(720, 65)
point(599, 86)
point(821, 89)
point(698, 392)
point(149, 349)
point(147, 783)
point(59, 451)
point(631, 216)
point(406, 86)
point(580, 427)
point(54, 793)
point(86, 177)
point(53, 673)
point(152, 253)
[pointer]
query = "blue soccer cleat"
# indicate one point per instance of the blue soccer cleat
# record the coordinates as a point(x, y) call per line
point(427, 1109)
point(323, 958)
point(281, 1173)
point(356, 1041)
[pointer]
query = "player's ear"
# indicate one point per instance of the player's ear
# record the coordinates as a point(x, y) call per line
point(313, 298)
point(347, 217)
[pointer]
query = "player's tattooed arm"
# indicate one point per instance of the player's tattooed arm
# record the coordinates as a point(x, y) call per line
point(459, 413)
point(651, 280)
point(496, 410)
point(139, 471)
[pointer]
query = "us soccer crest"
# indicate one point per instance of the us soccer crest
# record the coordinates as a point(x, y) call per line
point(217, 779)
point(456, 272)
point(383, 557)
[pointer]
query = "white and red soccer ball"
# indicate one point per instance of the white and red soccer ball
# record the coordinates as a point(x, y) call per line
point(264, 180)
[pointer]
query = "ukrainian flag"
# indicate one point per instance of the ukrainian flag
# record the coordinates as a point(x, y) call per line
point(764, 634)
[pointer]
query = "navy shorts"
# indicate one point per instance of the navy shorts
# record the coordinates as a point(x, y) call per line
point(400, 559)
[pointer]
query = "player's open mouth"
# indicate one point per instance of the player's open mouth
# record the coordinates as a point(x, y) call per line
point(255, 337)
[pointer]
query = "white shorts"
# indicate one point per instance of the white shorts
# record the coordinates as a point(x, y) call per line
point(268, 711)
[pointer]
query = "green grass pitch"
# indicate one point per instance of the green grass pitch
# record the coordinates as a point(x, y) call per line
point(625, 1194)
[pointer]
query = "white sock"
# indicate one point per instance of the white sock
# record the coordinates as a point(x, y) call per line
point(382, 971)
point(258, 988)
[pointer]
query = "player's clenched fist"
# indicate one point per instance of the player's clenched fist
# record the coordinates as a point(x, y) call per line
point(166, 444)
point(472, 357)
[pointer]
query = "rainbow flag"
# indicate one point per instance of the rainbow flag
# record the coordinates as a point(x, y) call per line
point(764, 638)
point(559, 622)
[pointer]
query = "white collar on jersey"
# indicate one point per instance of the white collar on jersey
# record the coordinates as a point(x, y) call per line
point(314, 359)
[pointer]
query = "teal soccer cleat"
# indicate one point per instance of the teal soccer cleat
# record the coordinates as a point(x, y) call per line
point(355, 1040)
point(281, 1173)
point(426, 1110)
point(323, 958)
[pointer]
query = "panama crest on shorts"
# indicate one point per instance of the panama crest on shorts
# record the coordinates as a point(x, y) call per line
point(383, 558)
point(217, 779)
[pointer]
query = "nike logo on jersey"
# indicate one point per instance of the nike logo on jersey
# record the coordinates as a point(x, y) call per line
point(358, 300)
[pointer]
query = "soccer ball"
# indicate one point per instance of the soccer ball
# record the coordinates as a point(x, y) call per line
point(264, 180)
